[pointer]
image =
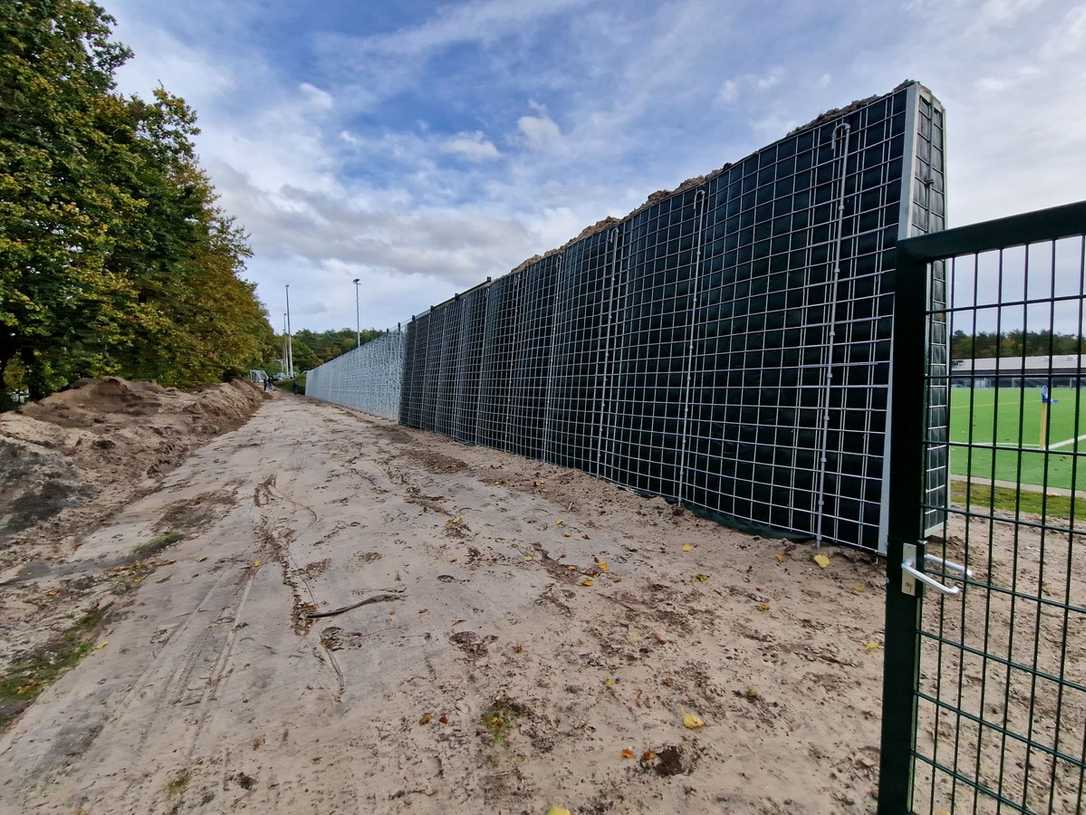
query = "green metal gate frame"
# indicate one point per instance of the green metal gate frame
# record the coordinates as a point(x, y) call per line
point(915, 352)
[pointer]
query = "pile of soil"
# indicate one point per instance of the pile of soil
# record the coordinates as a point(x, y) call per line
point(69, 460)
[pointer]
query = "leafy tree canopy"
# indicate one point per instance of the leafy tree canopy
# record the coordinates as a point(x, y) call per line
point(114, 255)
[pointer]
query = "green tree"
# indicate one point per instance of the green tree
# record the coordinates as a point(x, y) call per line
point(114, 257)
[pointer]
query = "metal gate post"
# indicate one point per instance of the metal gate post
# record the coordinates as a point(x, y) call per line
point(907, 451)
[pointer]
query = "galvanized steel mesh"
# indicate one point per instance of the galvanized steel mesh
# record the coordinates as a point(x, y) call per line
point(367, 378)
point(727, 345)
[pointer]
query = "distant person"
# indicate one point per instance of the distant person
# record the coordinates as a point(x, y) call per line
point(267, 383)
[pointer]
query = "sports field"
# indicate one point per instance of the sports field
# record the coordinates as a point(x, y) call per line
point(995, 420)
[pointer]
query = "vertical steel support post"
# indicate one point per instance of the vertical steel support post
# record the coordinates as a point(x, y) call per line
point(907, 449)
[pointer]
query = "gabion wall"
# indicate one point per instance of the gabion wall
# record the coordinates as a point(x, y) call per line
point(726, 345)
point(367, 378)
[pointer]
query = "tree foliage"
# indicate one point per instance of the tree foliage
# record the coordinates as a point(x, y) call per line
point(114, 256)
point(1014, 343)
point(312, 348)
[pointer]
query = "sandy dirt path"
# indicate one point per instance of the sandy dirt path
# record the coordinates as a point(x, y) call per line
point(526, 626)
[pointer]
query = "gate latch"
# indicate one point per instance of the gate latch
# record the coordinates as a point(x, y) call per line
point(910, 574)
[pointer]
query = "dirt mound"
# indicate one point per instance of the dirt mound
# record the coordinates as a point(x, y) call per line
point(69, 460)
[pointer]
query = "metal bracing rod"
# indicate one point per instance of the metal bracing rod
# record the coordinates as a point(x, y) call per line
point(613, 239)
point(548, 424)
point(827, 370)
point(701, 197)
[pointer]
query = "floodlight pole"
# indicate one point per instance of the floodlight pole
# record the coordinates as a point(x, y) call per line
point(290, 343)
point(284, 366)
point(357, 321)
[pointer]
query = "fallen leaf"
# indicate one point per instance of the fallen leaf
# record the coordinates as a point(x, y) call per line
point(256, 564)
point(587, 582)
point(609, 682)
point(628, 753)
point(558, 811)
point(872, 646)
point(101, 645)
point(858, 588)
point(601, 565)
point(780, 557)
point(688, 547)
point(444, 719)
point(425, 719)
point(566, 535)
point(648, 756)
point(821, 560)
point(701, 578)
point(762, 606)
point(559, 522)
point(693, 722)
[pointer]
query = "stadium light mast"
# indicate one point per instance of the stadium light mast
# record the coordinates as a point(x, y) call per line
point(290, 341)
point(357, 321)
point(284, 366)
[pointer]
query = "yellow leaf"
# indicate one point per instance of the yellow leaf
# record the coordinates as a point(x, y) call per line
point(688, 547)
point(256, 564)
point(701, 578)
point(692, 722)
point(559, 522)
point(762, 606)
point(858, 588)
point(821, 560)
point(601, 565)
point(872, 646)
point(101, 645)
point(587, 582)
point(627, 753)
point(609, 682)
point(780, 557)
point(425, 719)
point(558, 811)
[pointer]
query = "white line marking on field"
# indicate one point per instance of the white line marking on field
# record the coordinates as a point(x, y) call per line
point(1066, 442)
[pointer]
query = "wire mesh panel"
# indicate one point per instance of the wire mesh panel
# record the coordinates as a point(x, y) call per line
point(415, 371)
point(497, 361)
point(445, 411)
point(654, 342)
point(999, 713)
point(531, 364)
point(468, 363)
point(726, 345)
point(792, 340)
point(368, 378)
point(578, 375)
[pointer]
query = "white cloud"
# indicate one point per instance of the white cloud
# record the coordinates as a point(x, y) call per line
point(539, 132)
point(733, 88)
point(320, 99)
point(768, 80)
point(332, 188)
point(471, 146)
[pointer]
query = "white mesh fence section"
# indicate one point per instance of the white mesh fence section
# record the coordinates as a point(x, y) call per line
point(368, 378)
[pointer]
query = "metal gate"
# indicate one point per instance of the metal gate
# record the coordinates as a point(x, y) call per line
point(984, 705)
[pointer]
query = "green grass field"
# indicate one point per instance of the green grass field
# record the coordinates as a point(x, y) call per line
point(976, 411)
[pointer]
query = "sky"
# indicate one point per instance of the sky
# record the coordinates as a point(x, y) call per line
point(421, 147)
